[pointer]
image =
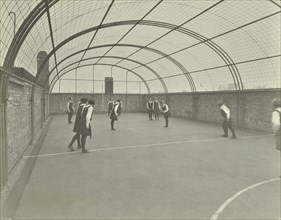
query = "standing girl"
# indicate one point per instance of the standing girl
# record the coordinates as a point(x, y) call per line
point(86, 118)
point(166, 111)
point(70, 110)
point(114, 114)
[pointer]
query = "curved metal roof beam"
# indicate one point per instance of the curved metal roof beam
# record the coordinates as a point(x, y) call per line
point(24, 30)
point(28, 24)
point(159, 24)
point(195, 35)
point(101, 64)
point(171, 59)
point(112, 24)
point(115, 57)
point(141, 64)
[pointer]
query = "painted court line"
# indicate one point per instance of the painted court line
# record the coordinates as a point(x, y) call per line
point(144, 145)
point(227, 202)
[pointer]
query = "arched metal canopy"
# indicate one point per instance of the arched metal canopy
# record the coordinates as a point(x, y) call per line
point(99, 64)
point(115, 57)
point(191, 45)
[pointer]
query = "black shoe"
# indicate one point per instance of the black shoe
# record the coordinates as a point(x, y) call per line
point(85, 151)
point(166, 126)
point(233, 137)
point(113, 129)
point(224, 135)
point(71, 148)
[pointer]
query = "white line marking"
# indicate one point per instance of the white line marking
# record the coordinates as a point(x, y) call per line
point(144, 145)
point(227, 202)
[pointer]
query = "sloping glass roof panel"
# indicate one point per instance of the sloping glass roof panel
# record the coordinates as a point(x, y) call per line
point(69, 75)
point(155, 86)
point(127, 64)
point(74, 59)
point(261, 74)
point(73, 46)
point(165, 70)
point(85, 76)
point(65, 86)
point(177, 84)
point(85, 72)
point(103, 71)
point(12, 12)
point(88, 62)
point(123, 10)
point(199, 57)
point(143, 35)
point(96, 52)
point(52, 63)
point(70, 17)
point(145, 56)
point(111, 35)
point(136, 87)
point(255, 41)
point(110, 61)
point(202, 37)
point(213, 80)
point(125, 51)
point(179, 11)
point(85, 86)
point(173, 42)
point(229, 15)
point(38, 40)
point(145, 73)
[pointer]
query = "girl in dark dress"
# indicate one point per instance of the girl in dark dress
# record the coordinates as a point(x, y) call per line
point(70, 110)
point(156, 109)
point(150, 107)
point(166, 111)
point(86, 117)
point(114, 114)
point(77, 126)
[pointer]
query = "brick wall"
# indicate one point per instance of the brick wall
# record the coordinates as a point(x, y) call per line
point(206, 108)
point(249, 109)
point(37, 109)
point(19, 118)
point(18, 121)
point(58, 102)
point(258, 109)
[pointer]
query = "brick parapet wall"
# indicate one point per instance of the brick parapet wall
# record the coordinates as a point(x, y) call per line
point(37, 109)
point(58, 102)
point(19, 119)
point(249, 109)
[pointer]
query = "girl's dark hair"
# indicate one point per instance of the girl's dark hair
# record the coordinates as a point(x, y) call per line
point(84, 100)
point(91, 102)
point(276, 102)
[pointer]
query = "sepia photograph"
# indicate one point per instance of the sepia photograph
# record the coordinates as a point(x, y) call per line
point(140, 109)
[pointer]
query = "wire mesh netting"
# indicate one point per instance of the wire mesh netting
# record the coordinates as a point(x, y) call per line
point(164, 45)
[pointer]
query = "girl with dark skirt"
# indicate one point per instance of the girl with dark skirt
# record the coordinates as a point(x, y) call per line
point(156, 109)
point(86, 118)
point(150, 107)
point(166, 111)
point(77, 127)
point(70, 110)
point(114, 114)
